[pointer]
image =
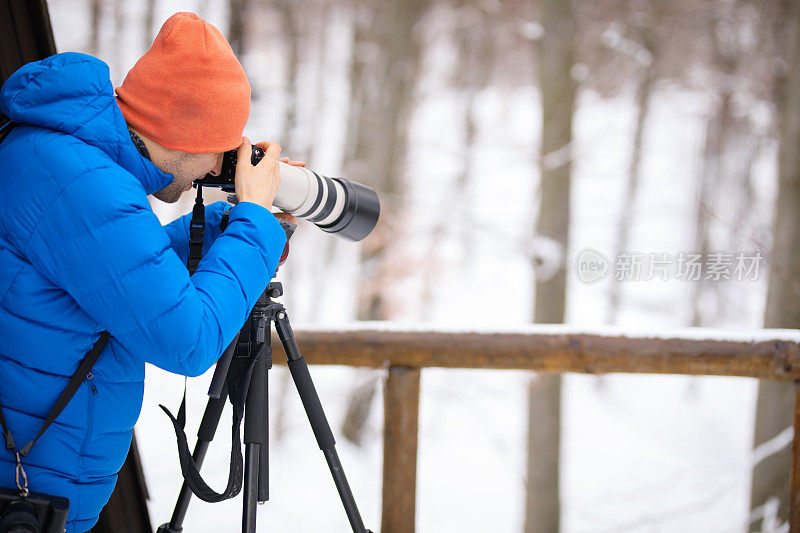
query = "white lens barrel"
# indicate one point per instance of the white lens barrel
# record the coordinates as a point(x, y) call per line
point(335, 205)
point(306, 194)
point(297, 190)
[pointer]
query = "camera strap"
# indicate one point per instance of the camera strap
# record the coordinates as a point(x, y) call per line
point(63, 399)
point(88, 361)
point(238, 388)
point(197, 227)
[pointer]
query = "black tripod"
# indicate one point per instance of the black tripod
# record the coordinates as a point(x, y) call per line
point(242, 375)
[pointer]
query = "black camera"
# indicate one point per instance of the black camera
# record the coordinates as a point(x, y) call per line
point(335, 205)
point(36, 513)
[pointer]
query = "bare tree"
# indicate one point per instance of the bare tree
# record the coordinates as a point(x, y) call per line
point(775, 400)
point(326, 12)
point(386, 64)
point(725, 214)
point(119, 31)
point(556, 53)
point(149, 21)
point(291, 35)
point(237, 17)
point(645, 56)
point(384, 69)
point(94, 35)
point(475, 35)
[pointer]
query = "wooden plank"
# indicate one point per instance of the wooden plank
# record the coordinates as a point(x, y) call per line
point(401, 412)
point(545, 352)
point(794, 502)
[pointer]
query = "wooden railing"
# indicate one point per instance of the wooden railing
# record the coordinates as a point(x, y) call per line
point(766, 354)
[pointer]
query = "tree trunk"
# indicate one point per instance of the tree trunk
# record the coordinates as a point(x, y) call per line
point(644, 91)
point(358, 403)
point(775, 405)
point(387, 61)
point(556, 53)
point(708, 183)
point(97, 17)
point(717, 183)
point(327, 18)
point(286, 11)
point(237, 16)
point(475, 39)
point(384, 69)
point(149, 21)
point(119, 30)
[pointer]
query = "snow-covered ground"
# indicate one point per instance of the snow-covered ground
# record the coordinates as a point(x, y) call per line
point(639, 453)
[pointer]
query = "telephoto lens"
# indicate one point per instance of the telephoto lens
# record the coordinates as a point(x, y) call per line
point(335, 205)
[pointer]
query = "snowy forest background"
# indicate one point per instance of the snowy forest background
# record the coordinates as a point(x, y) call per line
point(675, 113)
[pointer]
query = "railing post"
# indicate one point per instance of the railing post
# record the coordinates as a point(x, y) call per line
point(794, 502)
point(401, 410)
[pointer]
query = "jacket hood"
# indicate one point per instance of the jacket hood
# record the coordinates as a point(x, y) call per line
point(72, 93)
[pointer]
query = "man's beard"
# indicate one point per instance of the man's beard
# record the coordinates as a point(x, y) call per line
point(170, 194)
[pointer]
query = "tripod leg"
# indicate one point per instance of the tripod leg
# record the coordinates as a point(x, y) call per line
point(316, 416)
point(205, 435)
point(263, 461)
point(255, 439)
point(251, 457)
point(221, 370)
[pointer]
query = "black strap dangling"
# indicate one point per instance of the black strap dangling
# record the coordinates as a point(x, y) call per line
point(191, 473)
point(63, 399)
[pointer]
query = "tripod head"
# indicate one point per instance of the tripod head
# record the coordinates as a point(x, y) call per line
point(289, 228)
point(287, 221)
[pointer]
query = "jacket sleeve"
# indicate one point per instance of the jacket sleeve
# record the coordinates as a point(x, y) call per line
point(178, 230)
point(114, 258)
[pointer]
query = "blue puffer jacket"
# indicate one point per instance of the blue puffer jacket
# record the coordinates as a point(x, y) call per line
point(81, 252)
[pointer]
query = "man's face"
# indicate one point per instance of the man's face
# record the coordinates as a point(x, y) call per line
point(186, 168)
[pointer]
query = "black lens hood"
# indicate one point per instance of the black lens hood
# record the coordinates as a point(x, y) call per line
point(362, 208)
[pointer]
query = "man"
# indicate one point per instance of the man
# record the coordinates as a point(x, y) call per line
point(82, 252)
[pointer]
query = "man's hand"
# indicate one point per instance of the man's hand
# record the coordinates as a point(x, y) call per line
point(293, 163)
point(257, 184)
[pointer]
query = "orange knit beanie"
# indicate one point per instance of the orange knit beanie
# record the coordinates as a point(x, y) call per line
point(188, 92)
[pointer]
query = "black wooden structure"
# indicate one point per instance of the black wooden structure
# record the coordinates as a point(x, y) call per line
point(26, 35)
